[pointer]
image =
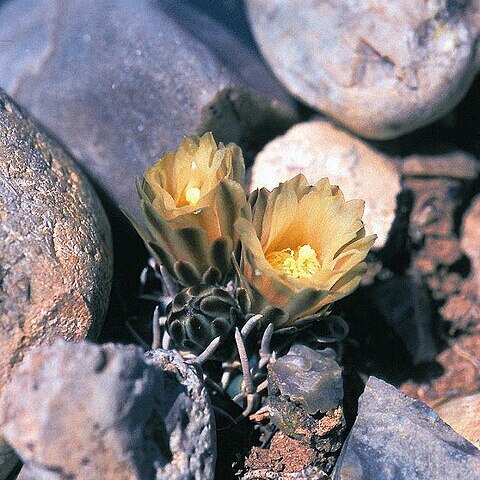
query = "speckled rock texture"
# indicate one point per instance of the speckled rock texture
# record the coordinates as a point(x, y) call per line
point(381, 68)
point(189, 419)
point(440, 185)
point(120, 82)
point(55, 246)
point(319, 149)
point(397, 438)
point(84, 411)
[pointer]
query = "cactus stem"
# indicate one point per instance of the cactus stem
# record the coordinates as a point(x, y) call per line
point(265, 351)
point(212, 346)
point(170, 286)
point(262, 386)
point(166, 341)
point(242, 353)
point(252, 401)
point(156, 331)
point(238, 398)
point(225, 380)
point(162, 321)
point(250, 324)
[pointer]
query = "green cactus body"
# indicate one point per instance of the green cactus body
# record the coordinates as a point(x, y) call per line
point(201, 313)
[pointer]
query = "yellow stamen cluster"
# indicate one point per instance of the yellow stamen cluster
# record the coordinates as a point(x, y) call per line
point(296, 263)
point(192, 195)
point(192, 191)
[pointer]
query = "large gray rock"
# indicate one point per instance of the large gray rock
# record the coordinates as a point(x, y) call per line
point(398, 438)
point(319, 149)
point(84, 411)
point(189, 419)
point(222, 26)
point(55, 247)
point(382, 68)
point(120, 82)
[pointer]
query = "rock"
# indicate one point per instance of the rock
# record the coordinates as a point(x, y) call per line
point(458, 165)
point(311, 378)
point(470, 239)
point(230, 13)
point(121, 82)
point(82, 411)
point(395, 438)
point(319, 149)
point(55, 246)
point(456, 373)
point(189, 419)
point(223, 27)
point(463, 415)
point(440, 185)
point(380, 68)
point(462, 310)
point(305, 392)
point(404, 304)
point(436, 200)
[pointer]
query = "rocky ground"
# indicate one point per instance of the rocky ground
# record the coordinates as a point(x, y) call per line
point(93, 92)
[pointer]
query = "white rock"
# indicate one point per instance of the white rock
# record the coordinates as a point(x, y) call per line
point(380, 67)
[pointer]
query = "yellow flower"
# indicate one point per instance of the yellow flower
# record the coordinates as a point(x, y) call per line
point(304, 248)
point(190, 201)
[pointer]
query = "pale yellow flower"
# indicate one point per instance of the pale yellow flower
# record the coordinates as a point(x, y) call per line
point(190, 200)
point(304, 248)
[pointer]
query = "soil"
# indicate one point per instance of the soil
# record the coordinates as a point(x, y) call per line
point(284, 455)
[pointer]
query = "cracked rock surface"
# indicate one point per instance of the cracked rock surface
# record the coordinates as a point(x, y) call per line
point(189, 419)
point(381, 68)
point(398, 438)
point(55, 247)
point(84, 411)
point(121, 82)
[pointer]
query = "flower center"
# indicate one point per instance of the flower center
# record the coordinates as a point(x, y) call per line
point(192, 195)
point(296, 263)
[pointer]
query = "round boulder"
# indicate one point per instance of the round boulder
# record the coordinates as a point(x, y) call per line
point(381, 68)
point(55, 247)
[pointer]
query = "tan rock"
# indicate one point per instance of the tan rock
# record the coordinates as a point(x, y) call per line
point(463, 415)
point(471, 239)
point(459, 165)
point(55, 247)
point(319, 149)
point(380, 67)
